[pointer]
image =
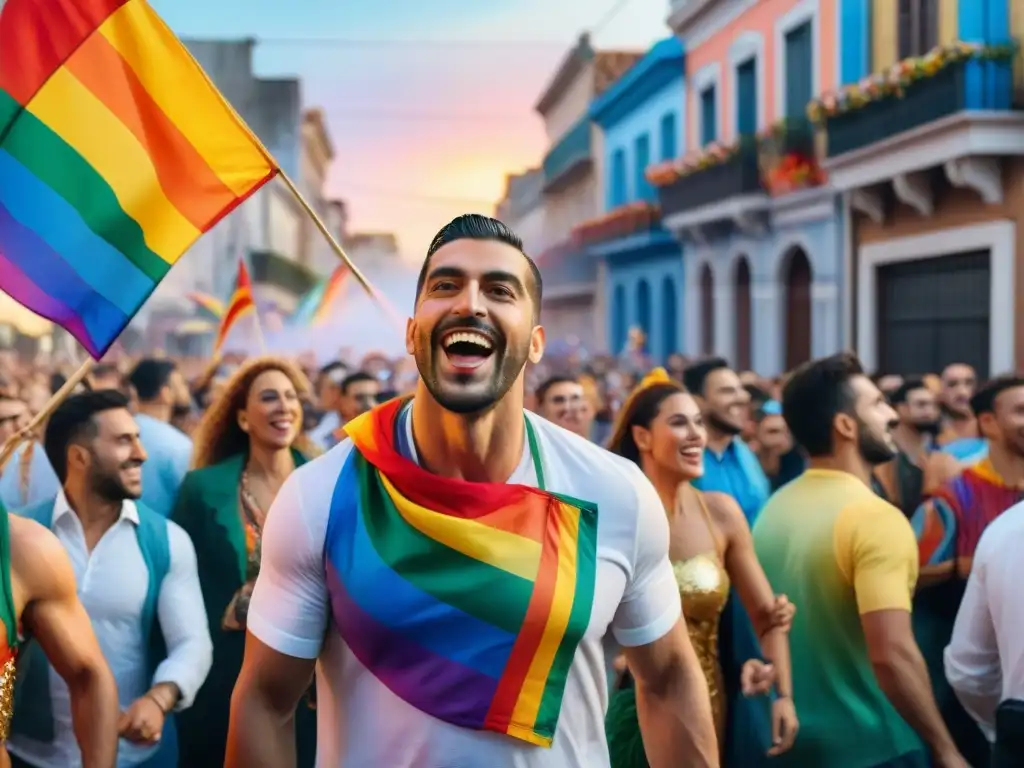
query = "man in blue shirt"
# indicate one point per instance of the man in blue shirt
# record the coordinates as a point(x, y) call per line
point(729, 465)
point(160, 386)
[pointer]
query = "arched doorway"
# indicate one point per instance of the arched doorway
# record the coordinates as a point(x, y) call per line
point(669, 318)
point(707, 311)
point(743, 315)
point(643, 309)
point(620, 326)
point(798, 276)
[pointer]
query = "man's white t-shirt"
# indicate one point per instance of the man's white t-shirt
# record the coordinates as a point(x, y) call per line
point(361, 723)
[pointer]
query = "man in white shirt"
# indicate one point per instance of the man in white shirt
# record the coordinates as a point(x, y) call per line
point(137, 579)
point(474, 329)
point(985, 658)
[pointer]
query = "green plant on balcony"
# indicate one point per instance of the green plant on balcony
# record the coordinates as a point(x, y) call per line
point(893, 82)
point(788, 156)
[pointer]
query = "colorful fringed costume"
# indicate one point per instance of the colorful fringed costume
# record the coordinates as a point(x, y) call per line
point(948, 527)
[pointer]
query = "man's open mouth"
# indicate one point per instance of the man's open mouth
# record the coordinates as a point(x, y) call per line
point(466, 350)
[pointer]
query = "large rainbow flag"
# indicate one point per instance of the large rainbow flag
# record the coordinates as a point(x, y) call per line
point(467, 600)
point(116, 154)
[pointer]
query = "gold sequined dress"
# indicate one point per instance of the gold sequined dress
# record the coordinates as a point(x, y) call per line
point(704, 588)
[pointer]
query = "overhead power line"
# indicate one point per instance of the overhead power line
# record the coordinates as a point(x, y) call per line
point(352, 42)
point(609, 16)
point(413, 116)
point(412, 196)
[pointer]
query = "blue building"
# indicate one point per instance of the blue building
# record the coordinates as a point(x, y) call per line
point(642, 120)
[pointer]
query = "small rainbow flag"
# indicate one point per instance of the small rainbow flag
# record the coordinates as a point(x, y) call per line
point(213, 306)
point(467, 600)
point(316, 306)
point(333, 290)
point(116, 154)
point(242, 303)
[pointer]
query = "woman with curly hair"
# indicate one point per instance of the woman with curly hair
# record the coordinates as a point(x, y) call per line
point(660, 428)
point(246, 445)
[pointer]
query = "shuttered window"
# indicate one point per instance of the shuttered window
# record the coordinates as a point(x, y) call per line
point(618, 191)
point(708, 116)
point(643, 189)
point(799, 70)
point(917, 27)
point(746, 98)
point(668, 136)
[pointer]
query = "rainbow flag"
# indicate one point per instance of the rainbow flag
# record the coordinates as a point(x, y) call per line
point(333, 290)
point(116, 154)
point(242, 303)
point(467, 600)
point(316, 306)
point(213, 306)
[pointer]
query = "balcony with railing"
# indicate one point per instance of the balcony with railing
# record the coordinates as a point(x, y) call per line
point(949, 105)
point(718, 174)
point(570, 158)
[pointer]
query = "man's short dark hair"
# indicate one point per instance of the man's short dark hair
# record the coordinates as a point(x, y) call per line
point(814, 394)
point(984, 400)
point(150, 376)
point(356, 378)
point(74, 421)
point(695, 375)
point(474, 226)
point(902, 392)
point(547, 384)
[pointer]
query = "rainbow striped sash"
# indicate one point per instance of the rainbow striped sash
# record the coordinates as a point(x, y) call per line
point(467, 600)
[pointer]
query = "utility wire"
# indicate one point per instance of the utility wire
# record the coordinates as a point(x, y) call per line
point(400, 43)
point(344, 115)
point(612, 12)
point(412, 196)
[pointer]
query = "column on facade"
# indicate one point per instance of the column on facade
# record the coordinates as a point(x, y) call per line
point(825, 315)
point(725, 314)
point(768, 329)
point(602, 339)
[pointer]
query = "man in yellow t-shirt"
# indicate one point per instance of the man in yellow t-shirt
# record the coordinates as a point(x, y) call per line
point(848, 560)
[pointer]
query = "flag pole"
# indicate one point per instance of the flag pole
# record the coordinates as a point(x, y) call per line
point(11, 444)
point(335, 245)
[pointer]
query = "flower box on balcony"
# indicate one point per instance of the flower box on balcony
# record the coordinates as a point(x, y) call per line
point(739, 174)
point(623, 221)
point(915, 92)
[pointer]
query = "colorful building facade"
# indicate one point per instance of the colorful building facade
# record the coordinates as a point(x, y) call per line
point(925, 141)
point(572, 169)
point(761, 225)
point(642, 120)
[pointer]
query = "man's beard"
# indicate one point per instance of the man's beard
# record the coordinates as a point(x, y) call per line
point(929, 428)
point(719, 424)
point(873, 449)
point(507, 364)
point(110, 488)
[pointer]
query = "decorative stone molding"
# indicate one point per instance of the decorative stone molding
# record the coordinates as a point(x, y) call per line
point(870, 203)
point(751, 223)
point(696, 235)
point(915, 190)
point(982, 174)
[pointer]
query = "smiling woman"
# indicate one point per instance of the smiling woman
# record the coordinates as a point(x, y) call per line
point(247, 444)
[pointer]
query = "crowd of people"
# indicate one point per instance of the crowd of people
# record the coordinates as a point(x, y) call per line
point(476, 556)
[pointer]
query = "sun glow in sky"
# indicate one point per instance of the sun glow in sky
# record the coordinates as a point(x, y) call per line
point(429, 104)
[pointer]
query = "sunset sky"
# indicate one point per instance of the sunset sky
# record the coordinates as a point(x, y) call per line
point(429, 104)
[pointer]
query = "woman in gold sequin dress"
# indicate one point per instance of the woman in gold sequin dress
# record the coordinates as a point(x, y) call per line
point(660, 429)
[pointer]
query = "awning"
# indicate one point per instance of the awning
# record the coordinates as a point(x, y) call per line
point(21, 319)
